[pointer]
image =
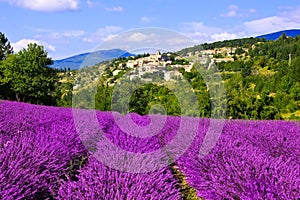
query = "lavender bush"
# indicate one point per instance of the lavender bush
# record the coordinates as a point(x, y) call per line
point(252, 160)
point(97, 181)
point(44, 155)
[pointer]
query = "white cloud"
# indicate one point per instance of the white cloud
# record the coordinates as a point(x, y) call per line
point(115, 9)
point(232, 11)
point(287, 18)
point(40, 30)
point(102, 34)
point(148, 38)
point(146, 19)
point(46, 6)
point(233, 7)
point(285, 7)
point(137, 37)
point(271, 24)
point(199, 32)
point(235, 11)
point(223, 36)
point(200, 27)
point(90, 3)
point(294, 14)
point(19, 45)
point(202, 33)
point(64, 35)
point(73, 34)
point(179, 41)
point(252, 10)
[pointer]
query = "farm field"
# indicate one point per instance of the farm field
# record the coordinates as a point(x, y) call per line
point(42, 157)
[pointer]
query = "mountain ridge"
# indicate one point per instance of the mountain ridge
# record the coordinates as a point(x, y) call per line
point(89, 59)
point(276, 35)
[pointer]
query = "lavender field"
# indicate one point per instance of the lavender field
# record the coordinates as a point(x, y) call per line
point(42, 157)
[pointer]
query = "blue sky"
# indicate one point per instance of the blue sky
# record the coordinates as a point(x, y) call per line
point(69, 27)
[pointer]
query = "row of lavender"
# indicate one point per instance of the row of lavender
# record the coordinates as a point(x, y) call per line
point(39, 146)
point(251, 160)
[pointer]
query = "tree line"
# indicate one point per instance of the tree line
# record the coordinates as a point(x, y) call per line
point(26, 75)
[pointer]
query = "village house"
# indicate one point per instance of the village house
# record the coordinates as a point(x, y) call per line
point(223, 60)
point(116, 72)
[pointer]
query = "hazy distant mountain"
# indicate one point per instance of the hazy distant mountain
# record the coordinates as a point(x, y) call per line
point(276, 35)
point(75, 62)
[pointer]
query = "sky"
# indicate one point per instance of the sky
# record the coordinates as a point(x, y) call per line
point(70, 27)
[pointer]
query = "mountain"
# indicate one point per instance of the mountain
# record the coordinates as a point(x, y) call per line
point(93, 58)
point(276, 35)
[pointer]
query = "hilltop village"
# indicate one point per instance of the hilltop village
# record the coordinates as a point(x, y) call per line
point(166, 66)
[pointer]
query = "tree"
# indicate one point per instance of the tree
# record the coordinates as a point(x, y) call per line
point(103, 96)
point(295, 69)
point(247, 69)
point(5, 50)
point(29, 76)
point(5, 47)
point(239, 51)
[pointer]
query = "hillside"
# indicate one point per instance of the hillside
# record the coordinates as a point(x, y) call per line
point(241, 42)
point(261, 81)
point(74, 62)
